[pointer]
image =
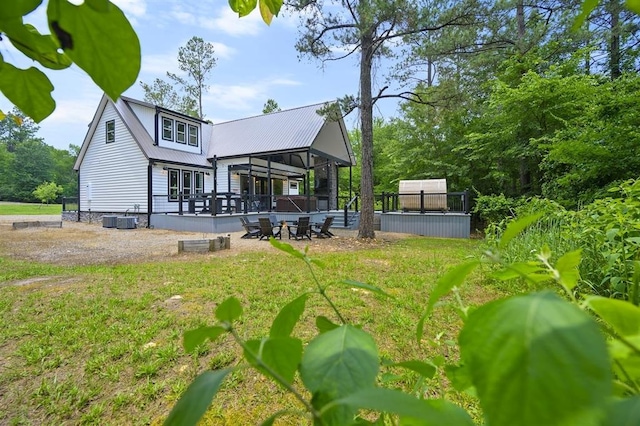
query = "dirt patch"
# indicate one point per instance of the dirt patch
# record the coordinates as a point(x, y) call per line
point(91, 244)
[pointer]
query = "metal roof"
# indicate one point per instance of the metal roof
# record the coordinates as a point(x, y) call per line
point(290, 130)
point(283, 131)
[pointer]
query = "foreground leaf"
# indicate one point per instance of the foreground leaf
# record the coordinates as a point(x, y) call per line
point(287, 248)
point(280, 355)
point(452, 278)
point(425, 369)
point(514, 228)
point(365, 286)
point(17, 8)
point(537, 360)
point(324, 324)
point(101, 42)
point(288, 317)
point(194, 338)
point(229, 310)
point(336, 364)
point(29, 90)
point(622, 316)
point(196, 399)
point(424, 412)
point(39, 47)
point(624, 412)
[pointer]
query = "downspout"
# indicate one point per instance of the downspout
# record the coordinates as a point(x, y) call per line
point(155, 128)
point(78, 212)
point(214, 195)
point(149, 192)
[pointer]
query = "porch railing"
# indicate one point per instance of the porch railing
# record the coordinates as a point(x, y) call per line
point(69, 204)
point(424, 202)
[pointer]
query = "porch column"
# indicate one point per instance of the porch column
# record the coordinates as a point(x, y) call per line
point(214, 191)
point(308, 185)
point(269, 185)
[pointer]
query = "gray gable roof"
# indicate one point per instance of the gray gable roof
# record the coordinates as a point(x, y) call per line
point(291, 130)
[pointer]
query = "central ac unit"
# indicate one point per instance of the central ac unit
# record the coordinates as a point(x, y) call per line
point(126, 222)
point(109, 221)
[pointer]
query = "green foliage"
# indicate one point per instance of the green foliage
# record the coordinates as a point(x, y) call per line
point(47, 192)
point(539, 345)
point(77, 36)
point(270, 106)
point(494, 208)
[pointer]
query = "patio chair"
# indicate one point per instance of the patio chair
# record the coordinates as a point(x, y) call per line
point(301, 229)
point(251, 229)
point(322, 231)
point(267, 229)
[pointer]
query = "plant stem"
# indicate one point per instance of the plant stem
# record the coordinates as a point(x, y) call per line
point(274, 375)
point(324, 294)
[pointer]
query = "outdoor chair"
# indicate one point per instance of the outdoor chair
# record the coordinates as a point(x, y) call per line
point(301, 229)
point(267, 229)
point(322, 230)
point(274, 220)
point(251, 229)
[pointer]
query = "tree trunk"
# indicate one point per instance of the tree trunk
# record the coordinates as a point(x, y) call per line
point(614, 9)
point(366, 127)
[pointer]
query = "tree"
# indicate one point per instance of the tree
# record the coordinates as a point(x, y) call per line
point(16, 128)
point(197, 60)
point(31, 165)
point(163, 94)
point(47, 192)
point(369, 27)
point(270, 106)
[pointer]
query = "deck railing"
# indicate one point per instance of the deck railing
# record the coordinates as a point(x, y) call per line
point(69, 204)
point(424, 202)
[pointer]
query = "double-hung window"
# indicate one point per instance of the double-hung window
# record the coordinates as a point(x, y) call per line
point(181, 132)
point(186, 182)
point(111, 131)
point(174, 184)
point(167, 129)
point(193, 135)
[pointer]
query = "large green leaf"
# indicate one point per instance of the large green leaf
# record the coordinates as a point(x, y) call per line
point(423, 412)
point(336, 364)
point(196, 399)
point(17, 8)
point(587, 8)
point(243, 7)
point(287, 248)
point(193, 338)
point(364, 286)
point(567, 268)
point(102, 43)
point(324, 324)
point(425, 369)
point(531, 271)
point(41, 48)
point(288, 317)
point(281, 355)
point(29, 90)
point(633, 5)
point(229, 310)
point(537, 360)
point(624, 412)
point(515, 227)
point(622, 316)
point(452, 278)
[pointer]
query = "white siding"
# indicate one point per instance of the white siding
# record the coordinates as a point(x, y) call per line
point(160, 178)
point(116, 173)
point(146, 116)
point(330, 140)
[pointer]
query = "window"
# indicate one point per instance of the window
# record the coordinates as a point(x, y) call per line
point(174, 184)
point(111, 131)
point(199, 186)
point(186, 182)
point(193, 135)
point(167, 129)
point(181, 132)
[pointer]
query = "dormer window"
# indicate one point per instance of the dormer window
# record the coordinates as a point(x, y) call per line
point(193, 135)
point(181, 132)
point(167, 129)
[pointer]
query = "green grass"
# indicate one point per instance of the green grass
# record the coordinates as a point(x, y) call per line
point(102, 344)
point(7, 208)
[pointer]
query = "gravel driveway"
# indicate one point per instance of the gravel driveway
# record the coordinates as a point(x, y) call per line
point(88, 244)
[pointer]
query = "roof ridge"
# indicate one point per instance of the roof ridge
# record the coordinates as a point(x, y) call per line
point(271, 113)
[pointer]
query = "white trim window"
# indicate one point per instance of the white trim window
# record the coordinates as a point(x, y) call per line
point(186, 182)
point(174, 184)
point(181, 132)
point(193, 135)
point(167, 129)
point(199, 182)
point(110, 127)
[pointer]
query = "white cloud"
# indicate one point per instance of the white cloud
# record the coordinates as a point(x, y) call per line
point(73, 111)
point(228, 22)
point(222, 51)
point(159, 64)
point(243, 97)
point(132, 7)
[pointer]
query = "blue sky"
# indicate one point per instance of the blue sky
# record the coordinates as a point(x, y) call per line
point(255, 62)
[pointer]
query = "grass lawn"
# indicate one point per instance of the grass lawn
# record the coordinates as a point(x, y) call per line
point(102, 344)
point(8, 208)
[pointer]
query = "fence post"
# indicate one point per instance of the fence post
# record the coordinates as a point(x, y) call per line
point(465, 201)
point(422, 201)
point(180, 200)
point(383, 201)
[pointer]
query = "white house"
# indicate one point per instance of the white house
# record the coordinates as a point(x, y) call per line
point(144, 160)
